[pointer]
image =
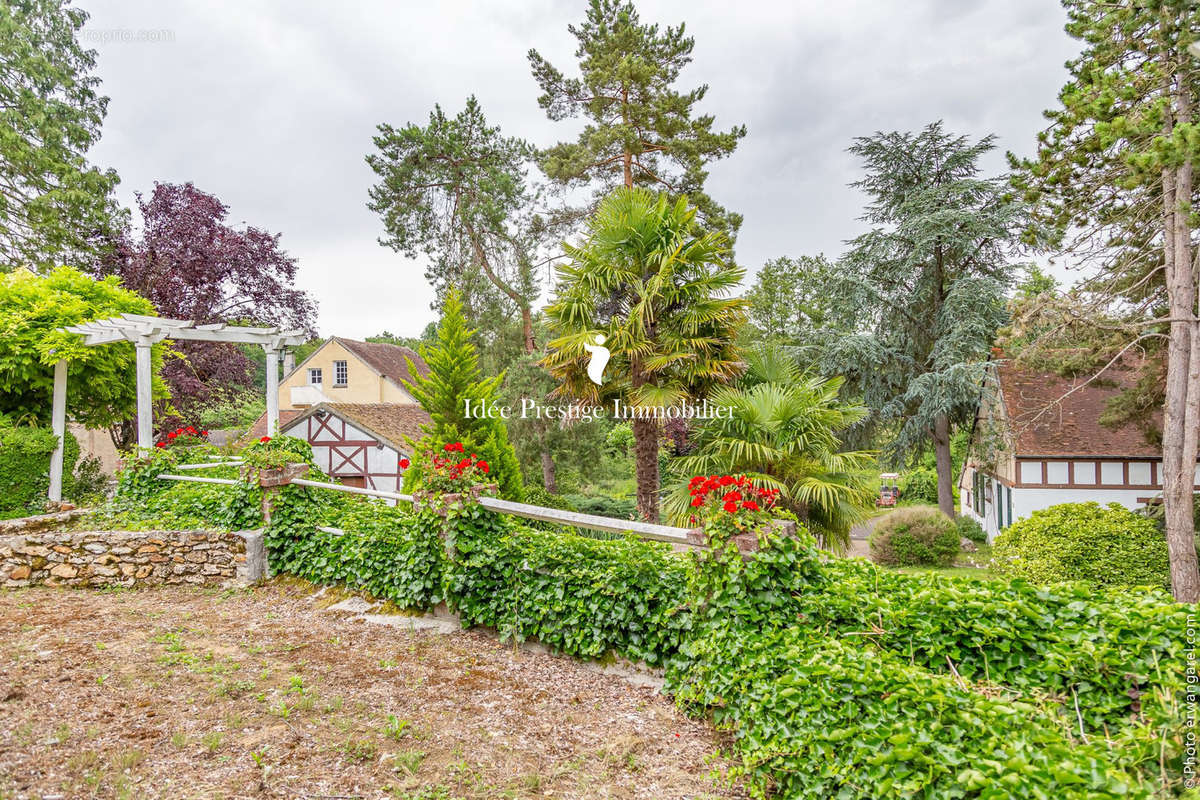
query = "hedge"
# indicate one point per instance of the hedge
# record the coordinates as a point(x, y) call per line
point(816, 716)
point(581, 596)
point(388, 552)
point(1101, 649)
point(25, 467)
point(1104, 546)
point(915, 536)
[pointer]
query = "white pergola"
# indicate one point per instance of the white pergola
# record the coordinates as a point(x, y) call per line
point(145, 332)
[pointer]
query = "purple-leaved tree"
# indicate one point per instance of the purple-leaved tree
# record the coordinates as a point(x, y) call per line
point(191, 264)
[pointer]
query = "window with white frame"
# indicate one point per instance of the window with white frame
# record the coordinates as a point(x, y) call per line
point(1031, 471)
point(314, 376)
point(1139, 473)
point(341, 373)
point(1057, 472)
point(1112, 473)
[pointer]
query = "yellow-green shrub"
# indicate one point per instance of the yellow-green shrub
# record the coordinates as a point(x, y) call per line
point(1110, 546)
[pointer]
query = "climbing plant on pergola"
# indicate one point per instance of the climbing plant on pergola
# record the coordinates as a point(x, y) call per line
point(144, 332)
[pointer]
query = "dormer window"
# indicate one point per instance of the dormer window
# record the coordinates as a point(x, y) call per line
point(314, 376)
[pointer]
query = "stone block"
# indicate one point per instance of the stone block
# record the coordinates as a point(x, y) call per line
point(254, 568)
point(63, 571)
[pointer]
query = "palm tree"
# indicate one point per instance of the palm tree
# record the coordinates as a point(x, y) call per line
point(658, 289)
point(782, 434)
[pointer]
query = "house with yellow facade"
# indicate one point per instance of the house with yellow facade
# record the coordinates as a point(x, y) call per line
point(347, 400)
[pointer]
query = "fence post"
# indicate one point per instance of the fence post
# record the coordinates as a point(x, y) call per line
point(440, 503)
point(272, 482)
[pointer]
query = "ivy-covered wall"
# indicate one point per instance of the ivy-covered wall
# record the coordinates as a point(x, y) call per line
point(835, 677)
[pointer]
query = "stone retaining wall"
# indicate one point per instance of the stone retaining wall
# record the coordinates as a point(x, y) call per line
point(127, 558)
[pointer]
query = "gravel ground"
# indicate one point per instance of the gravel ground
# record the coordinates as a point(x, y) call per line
point(207, 693)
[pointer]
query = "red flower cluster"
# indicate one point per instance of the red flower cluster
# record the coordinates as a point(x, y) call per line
point(404, 462)
point(184, 432)
point(730, 493)
point(264, 440)
point(455, 469)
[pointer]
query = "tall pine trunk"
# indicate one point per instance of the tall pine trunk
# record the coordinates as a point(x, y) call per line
point(527, 329)
point(1181, 422)
point(941, 452)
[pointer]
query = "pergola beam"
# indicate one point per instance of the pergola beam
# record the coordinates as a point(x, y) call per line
point(144, 332)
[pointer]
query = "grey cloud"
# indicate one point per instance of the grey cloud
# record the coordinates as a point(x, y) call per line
point(271, 106)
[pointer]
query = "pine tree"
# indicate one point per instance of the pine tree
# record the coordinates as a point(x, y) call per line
point(641, 131)
point(917, 300)
point(1114, 182)
point(455, 192)
point(454, 379)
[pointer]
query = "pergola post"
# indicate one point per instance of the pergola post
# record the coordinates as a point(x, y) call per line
point(272, 390)
point(145, 396)
point(58, 424)
point(145, 331)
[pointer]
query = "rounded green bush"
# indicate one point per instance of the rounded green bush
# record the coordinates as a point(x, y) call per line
point(1104, 546)
point(915, 536)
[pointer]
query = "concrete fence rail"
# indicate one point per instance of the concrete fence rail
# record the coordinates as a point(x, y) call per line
point(683, 537)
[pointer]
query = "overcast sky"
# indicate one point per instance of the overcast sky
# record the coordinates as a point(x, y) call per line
point(271, 107)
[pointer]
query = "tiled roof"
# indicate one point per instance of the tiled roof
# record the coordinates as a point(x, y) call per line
point(1050, 415)
point(389, 422)
point(389, 360)
point(259, 428)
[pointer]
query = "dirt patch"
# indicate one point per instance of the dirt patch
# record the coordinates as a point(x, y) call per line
point(204, 693)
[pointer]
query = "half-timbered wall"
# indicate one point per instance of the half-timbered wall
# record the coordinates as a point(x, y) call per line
point(348, 453)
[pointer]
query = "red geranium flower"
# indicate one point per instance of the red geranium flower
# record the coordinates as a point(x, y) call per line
point(483, 465)
point(172, 435)
point(264, 440)
point(731, 507)
point(733, 497)
point(697, 501)
point(404, 462)
point(161, 444)
point(750, 505)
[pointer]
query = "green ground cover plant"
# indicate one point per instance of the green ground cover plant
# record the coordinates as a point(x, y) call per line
point(837, 678)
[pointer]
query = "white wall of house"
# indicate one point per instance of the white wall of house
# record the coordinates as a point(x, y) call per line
point(342, 450)
point(1026, 501)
